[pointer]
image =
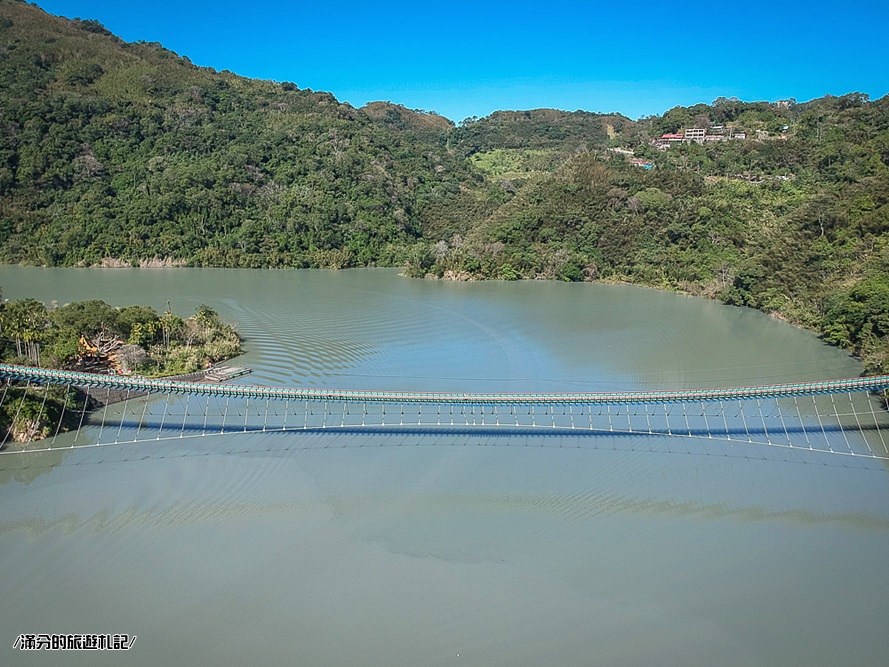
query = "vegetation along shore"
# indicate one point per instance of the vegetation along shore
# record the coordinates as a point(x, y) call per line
point(116, 153)
point(93, 336)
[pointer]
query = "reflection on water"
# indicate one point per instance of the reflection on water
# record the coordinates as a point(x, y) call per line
point(410, 547)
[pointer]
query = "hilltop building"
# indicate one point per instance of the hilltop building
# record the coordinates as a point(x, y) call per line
point(698, 135)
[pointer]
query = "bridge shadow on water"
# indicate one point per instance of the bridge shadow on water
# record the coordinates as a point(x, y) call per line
point(166, 430)
point(153, 440)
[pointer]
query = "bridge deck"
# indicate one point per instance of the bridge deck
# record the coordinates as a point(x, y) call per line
point(136, 384)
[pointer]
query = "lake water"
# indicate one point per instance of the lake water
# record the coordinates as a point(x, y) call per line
point(450, 549)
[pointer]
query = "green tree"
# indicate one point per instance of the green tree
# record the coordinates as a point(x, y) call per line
point(25, 320)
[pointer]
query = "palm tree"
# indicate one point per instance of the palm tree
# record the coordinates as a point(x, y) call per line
point(25, 321)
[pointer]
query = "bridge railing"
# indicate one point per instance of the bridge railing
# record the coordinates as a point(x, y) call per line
point(149, 385)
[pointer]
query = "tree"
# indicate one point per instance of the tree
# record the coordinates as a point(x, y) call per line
point(89, 318)
point(171, 325)
point(26, 322)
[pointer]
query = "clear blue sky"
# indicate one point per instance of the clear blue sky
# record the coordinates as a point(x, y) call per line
point(471, 58)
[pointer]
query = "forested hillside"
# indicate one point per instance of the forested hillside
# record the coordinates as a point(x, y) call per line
point(116, 153)
point(792, 219)
point(113, 151)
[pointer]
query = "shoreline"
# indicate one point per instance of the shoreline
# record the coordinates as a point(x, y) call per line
point(217, 373)
point(699, 292)
point(702, 294)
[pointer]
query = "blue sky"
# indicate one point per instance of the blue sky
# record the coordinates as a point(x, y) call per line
point(465, 59)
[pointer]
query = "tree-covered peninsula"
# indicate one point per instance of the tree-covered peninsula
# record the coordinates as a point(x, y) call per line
point(93, 336)
point(115, 153)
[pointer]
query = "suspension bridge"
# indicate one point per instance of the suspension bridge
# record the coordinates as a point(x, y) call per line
point(51, 409)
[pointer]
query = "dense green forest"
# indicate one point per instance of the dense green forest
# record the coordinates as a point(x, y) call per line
point(121, 152)
point(124, 154)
